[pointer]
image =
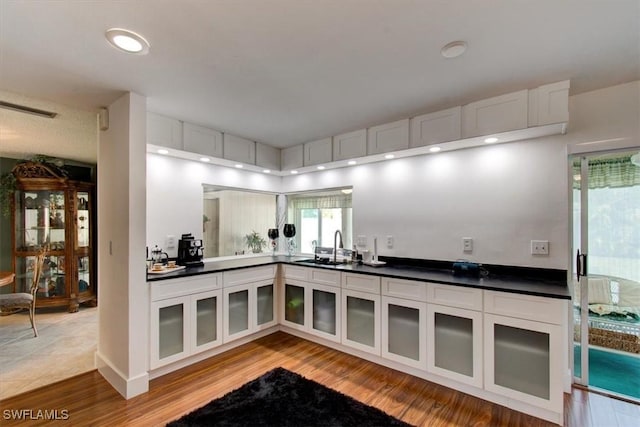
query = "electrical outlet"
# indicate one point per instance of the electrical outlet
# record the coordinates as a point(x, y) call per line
point(362, 241)
point(170, 241)
point(467, 244)
point(389, 242)
point(539, 247)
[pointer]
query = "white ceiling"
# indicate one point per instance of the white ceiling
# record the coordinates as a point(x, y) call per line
point(283, 72)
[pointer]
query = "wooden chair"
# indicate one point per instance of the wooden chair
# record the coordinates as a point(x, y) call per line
point(14, 302)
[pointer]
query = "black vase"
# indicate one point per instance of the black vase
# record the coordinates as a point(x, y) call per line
point(273, 233)
point(289, 230)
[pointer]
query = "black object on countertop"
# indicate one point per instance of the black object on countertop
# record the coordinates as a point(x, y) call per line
point(190, 251)
point(467, 268)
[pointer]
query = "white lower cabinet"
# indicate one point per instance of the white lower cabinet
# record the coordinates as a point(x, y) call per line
point(186, 325)
point(248, 308)
point(455, 343)
point(404, 336)
point(507, 346)
point(294, 305)
point(361, 321)
point(325, 311)
point(313, 308)
point(523, 357)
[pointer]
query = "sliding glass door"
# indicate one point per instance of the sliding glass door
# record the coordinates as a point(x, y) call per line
point(606, 248)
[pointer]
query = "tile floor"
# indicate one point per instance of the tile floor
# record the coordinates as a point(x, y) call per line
point(65, 346)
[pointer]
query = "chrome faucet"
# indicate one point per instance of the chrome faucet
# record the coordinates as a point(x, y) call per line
point(335, 246)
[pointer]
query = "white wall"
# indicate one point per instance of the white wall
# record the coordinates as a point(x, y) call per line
point(122, 356)
point(174, 194)
point(502, 196)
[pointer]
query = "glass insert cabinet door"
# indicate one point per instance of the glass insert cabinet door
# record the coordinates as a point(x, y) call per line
point(361, 321)
point(83, 221)
point(238, 312)
point(206, 320)
point(52, 277)
point(324, 311)
point(264, 305)
point(40, 219)
point(171, 330)
point(294, 304)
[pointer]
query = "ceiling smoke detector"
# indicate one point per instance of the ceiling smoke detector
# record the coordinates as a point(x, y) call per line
point(454, 49)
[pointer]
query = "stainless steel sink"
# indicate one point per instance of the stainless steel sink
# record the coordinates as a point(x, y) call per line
point(320, 261)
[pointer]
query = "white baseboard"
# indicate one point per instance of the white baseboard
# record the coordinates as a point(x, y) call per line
point(127, 387)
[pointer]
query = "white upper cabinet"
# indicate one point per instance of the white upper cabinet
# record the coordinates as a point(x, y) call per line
point(317, 152)
point(388, 137)
point(434, 128)
point(164, 131)
point(239, 149)
point(549, 104)
point(267, 157)
point(291, 157)
point(201, 140)
point(499, 114)
point(350, 145)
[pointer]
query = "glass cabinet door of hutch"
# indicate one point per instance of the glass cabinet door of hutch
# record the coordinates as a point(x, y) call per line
point(40, 219)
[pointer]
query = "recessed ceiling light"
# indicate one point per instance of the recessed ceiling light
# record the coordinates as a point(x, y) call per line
point(127, 41)
point(163, 151)
point(266, 171)
point(453, 49)
point(389, 156)
point(294, 172)
point(491, 140)
point(320, 167)
point(205, 159)
point(239, 166)
point(434, 149)
point(347, 190)
point(351, 162)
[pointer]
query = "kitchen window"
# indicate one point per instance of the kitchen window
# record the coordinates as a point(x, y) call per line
point(317, 216)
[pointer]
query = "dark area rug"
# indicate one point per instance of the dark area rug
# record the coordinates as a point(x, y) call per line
point(284, 398)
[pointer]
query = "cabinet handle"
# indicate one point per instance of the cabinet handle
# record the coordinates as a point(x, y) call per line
point(581, 264)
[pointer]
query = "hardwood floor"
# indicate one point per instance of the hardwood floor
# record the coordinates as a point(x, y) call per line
point(88, 400)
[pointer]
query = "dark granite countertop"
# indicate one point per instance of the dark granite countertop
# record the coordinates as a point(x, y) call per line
point(509, 280)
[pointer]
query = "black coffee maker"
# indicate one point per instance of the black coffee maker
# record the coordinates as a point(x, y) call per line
point(190, 251)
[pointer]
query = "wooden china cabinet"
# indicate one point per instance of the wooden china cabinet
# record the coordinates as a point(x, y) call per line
point(51, 209)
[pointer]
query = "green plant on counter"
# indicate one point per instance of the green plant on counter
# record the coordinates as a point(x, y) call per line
point(255, 242)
